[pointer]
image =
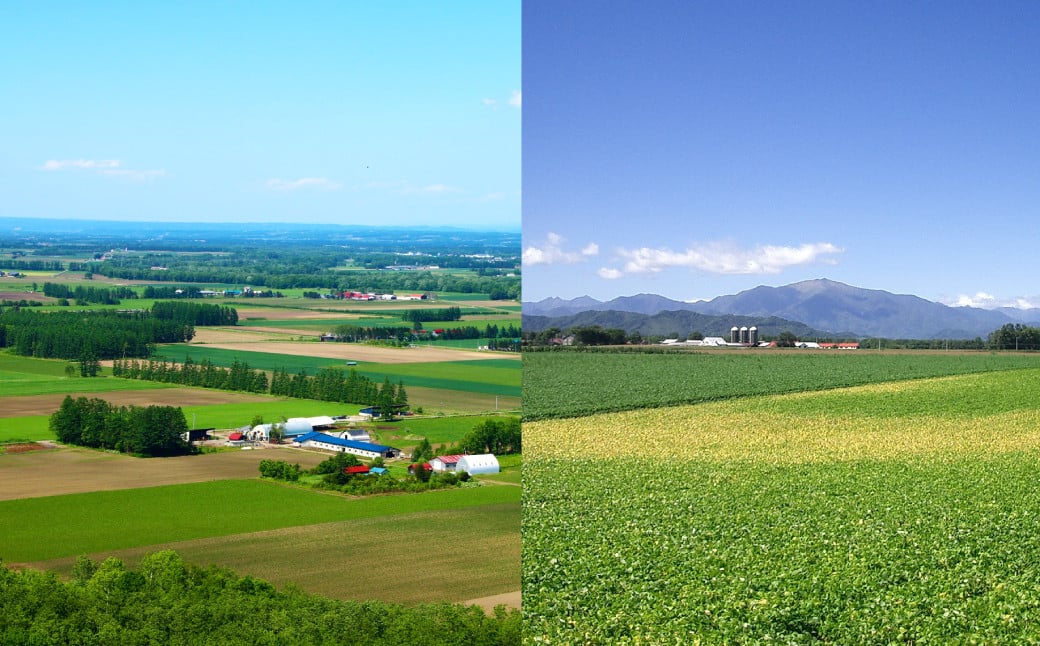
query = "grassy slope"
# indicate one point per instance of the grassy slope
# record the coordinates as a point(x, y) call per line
point(108, 520)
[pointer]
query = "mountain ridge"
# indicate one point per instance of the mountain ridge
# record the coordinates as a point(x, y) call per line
point(824, 305)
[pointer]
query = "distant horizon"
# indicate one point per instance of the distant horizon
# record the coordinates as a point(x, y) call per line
point(710, 298)
point(230, 223)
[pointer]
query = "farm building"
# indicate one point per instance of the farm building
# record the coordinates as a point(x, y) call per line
point(425, 466)
point(362, 469)
point(445, 462)
point(356, 434)
point(292, 427)
point(318, 440)
point(474, 464)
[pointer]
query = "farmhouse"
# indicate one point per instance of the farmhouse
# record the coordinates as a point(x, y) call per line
point(445, 462)
point(474, 464)
point(331, 443)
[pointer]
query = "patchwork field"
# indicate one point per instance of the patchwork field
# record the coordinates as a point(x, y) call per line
point(358, 352)
point(319, 541)
point(905, 511)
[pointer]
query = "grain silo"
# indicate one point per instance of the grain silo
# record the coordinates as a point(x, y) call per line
point(734, 334)
point(753, 335)
point(743, 334)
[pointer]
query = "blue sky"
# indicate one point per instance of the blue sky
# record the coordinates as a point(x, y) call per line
point(398, 113)
point(695, 149)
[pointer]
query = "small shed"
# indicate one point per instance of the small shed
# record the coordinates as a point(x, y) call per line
point(358, 470)
point(474, 464)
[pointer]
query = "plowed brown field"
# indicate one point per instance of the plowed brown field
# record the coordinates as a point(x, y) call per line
point(74, 470)
point(26, 405)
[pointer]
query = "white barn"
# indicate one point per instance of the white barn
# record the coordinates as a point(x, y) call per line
point(474, 464)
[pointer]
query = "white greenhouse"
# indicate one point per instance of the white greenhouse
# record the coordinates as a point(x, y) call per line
point(474, 464)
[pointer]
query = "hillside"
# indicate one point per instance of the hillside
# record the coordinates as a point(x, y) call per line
point(827, 307)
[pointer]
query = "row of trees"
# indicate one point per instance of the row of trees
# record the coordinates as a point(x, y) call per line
point(356, 333)
point(169, 601)
point(204, 374)
point(86, 295)
point(104, 334)
point(451, 313)
point(1015, 336)
point(199, 314)
point(329, 384)
point(150, 431)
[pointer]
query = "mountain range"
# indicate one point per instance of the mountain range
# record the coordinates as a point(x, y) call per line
point(820, 307)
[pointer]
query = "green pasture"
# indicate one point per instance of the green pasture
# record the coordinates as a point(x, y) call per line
point(112, 520)
point(25, 429)
point(241, 414)
point(21, 383)
point(321, 325)
point(438, 430)
point(565, 384)
point(491, 376)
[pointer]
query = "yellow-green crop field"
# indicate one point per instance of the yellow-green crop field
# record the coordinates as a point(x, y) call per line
point(906, 511)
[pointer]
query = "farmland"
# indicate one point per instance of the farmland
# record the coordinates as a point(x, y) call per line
point(565, 384)
point(893, 511)
point(213, 508)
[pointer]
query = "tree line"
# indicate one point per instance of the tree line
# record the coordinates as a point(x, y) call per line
point(199, 314)
point(1015, 336)
point(86, 295)
point(329, 384)
point(166, 600)
point(99, 334)
point(150, 431)
point(451, 313)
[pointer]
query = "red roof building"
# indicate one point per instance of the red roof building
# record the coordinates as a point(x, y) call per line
point(350, 471)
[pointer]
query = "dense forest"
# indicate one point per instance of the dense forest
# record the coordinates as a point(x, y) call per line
point(87, 295)
point(150, 431)
point(168, 601)
point(93, 334)
point(199, 314)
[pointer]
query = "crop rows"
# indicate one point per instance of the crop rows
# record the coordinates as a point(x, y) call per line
point(892, 512)
point(569, 384)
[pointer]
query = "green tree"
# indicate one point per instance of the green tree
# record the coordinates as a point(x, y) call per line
point(423, 451)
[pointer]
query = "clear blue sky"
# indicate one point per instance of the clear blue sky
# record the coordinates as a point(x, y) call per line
point(398, 113)
point(694, 149)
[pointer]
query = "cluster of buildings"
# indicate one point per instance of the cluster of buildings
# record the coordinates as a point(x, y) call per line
point(372, 296)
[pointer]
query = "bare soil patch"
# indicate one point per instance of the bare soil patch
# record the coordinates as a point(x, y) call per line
point(375, 354)
point(19, 296)
point(509, 600)
point(26, 405)
point(208, 335)
point(74, 470)
point(23, 447)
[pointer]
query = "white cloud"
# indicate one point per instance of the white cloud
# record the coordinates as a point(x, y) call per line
point(986, 301)
point(609, 274)
point(552, 252)
point(516, 99)
point(303, 182)
point(61, 164)
point(726, 258)
point(137, 175)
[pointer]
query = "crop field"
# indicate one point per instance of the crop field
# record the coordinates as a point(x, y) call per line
point(287, 534)
point(480, 546)
point(565, 384)
point(489, 375)
point(903, 511)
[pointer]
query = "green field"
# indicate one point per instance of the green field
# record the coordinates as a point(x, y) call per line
point(892, 512)
point(564, 384)
point(438, 430)
point(112, 520)
point(491, 376)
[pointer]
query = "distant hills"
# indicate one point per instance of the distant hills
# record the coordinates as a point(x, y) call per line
point(809, 308)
